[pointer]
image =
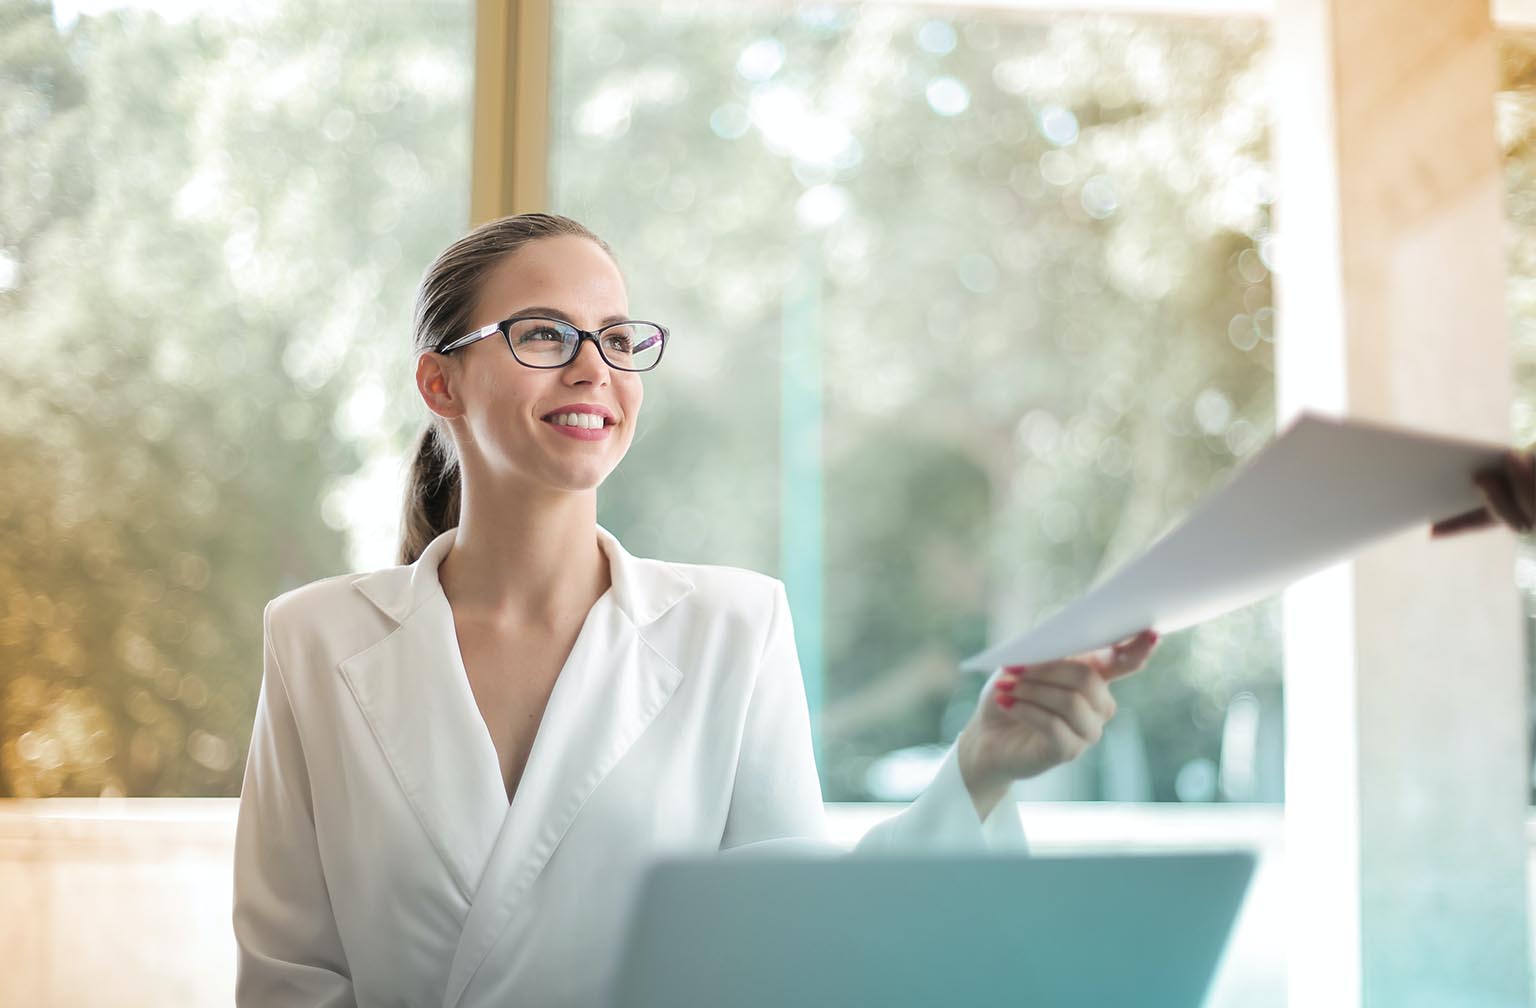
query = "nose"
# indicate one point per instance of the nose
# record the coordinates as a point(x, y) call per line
point(588, 364)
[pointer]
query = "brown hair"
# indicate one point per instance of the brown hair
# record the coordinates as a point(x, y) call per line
point(445, 302)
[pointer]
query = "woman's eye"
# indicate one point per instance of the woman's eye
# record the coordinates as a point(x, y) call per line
point(541, 334)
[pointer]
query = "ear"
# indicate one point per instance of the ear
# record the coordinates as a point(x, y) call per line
point(437, 382)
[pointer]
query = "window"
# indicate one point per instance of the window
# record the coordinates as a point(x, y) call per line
point(212, 221)
point(968, 307)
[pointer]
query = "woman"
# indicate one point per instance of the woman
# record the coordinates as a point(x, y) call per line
point(460, 765)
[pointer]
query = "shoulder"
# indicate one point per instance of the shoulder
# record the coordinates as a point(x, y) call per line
point(729, 584)
point(726, 604)
point(307, 599)
point(325, 620)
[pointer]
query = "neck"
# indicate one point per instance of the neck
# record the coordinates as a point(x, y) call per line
point(525, 559)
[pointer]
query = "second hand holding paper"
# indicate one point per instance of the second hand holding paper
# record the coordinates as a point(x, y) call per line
point(1317, 495)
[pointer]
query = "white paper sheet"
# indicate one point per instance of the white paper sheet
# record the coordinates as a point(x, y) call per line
point(1317, 495)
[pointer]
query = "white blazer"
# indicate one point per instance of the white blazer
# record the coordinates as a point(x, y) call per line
point(377, 859)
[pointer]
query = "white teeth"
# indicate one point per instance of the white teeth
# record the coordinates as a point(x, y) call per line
point(589, 421)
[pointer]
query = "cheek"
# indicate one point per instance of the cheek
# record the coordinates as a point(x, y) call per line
point(487, 384)
point(502, 392)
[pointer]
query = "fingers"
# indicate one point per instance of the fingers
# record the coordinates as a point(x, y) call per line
point(1064, 740)
point(1069, 700)
point(1466, 521)
point(1501, 499)
point(1509, 496)
point(1081, 715)
point(1071, 690)
point(1520, 470)
point(1130, 655)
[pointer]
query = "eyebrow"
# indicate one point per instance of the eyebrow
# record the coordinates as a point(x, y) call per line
point(562, 316)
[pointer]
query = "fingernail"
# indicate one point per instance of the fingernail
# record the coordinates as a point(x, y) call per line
point(1007, 700)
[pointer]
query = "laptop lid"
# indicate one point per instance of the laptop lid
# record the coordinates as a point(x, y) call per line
point(794, 930)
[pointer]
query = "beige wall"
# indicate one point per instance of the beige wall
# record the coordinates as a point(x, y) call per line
point(116, 903)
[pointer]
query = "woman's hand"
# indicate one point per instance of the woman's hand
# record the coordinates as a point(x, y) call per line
point(1034, 717)
point(1509, 496)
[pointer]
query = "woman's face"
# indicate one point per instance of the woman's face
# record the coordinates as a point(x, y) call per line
point(506, 411)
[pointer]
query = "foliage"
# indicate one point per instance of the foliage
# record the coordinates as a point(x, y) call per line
point(1043, 320)
point(213, 229)
point(1028, 255)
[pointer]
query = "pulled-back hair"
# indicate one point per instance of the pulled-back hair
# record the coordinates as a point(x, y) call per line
point(445, 302)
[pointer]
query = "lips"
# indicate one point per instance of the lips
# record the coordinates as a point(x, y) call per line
point(598, 433)
point(582, 421)
point(590, 409)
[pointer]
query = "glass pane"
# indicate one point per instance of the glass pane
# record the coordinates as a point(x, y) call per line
point(212, 221)
point(967, 309)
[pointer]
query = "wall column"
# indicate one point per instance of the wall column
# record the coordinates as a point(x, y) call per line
point(1407, 771)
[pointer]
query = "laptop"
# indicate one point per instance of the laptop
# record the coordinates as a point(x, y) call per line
point(788, 931)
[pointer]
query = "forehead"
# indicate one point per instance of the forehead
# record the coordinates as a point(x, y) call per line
point(572, 274)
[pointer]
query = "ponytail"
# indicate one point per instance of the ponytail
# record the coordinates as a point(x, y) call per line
point(431, 493)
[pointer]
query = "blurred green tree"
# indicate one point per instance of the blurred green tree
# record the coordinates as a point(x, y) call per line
point(211, 230)
point(1041, 249)
point(1044, 318)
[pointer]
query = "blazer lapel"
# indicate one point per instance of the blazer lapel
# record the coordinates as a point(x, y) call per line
point(613, 685)
point(415, 695)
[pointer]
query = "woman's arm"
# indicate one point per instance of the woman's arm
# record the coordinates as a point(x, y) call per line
point(945, 817)
point(289, 950)
point(777, 793)
point(1029, 719)
point(1034, 717)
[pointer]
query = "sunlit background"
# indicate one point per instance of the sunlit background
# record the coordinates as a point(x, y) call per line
point(968, 307)
point(961, 320)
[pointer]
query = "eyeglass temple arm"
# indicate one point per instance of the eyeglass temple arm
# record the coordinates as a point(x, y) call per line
point(480, 333)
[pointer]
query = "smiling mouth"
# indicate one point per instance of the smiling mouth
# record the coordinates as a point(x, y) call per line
point(581, 421)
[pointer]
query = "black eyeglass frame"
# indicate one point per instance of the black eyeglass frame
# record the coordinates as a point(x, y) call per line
point(505, 328)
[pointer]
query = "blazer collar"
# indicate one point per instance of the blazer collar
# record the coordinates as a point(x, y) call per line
point(643, 589)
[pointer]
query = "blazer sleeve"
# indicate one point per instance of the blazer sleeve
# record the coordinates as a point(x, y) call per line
point(943, 817)
point(289, 950)
point(778, 794)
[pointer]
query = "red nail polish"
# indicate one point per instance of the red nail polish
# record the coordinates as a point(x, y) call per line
point(1007, 700)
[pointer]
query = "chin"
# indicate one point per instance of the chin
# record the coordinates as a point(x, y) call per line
point(583, 480)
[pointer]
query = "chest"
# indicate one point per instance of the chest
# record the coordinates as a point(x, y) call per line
point(512, 674)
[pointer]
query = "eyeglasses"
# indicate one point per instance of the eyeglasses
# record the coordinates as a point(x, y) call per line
point(540, 342)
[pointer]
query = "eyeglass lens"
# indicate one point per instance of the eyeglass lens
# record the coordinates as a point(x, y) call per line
point(632, 346)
